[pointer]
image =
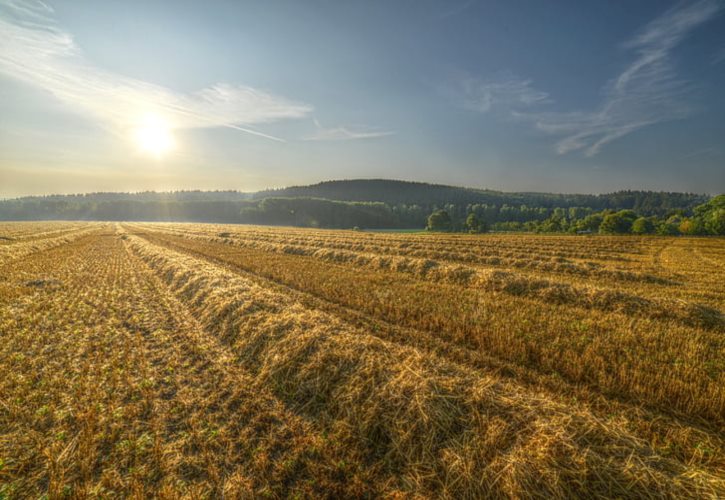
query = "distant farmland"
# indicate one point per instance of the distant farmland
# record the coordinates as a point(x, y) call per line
point(200, 360)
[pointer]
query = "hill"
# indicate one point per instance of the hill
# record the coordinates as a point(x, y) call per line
point(395, 192)
point(367, 203)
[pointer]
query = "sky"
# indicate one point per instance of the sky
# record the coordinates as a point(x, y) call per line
point(565, 96)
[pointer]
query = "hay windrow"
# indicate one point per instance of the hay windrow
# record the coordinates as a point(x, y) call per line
point(655, 361)
point(22, 247)
point(342, 251)
point(420, 415)
point(517, 284)
point(111, 389)
point(219, 361)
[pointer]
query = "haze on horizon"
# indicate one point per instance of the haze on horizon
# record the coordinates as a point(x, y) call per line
point(585, 97)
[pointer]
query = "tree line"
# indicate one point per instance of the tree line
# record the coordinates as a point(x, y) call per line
point(705, 219)
point(381, 204)
point(399, 193)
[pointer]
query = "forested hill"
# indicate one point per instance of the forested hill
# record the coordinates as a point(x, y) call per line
point(371, 204)
point(394, 192)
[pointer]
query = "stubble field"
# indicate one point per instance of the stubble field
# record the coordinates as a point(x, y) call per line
point(206, 360)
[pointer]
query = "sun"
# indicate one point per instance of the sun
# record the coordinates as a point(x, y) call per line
point(154, 137)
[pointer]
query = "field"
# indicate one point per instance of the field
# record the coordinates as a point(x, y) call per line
point(205, 360)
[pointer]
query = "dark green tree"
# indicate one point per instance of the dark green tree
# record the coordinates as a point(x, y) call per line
point(590, 223)
point(643, 225)
point(439, 221)
point(554, 224)
point(668, 227)
point(715, 223)
point(618, 223)
point(712, 215)
point(475, 225)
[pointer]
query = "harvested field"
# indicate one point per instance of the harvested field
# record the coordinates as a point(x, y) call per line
point(200, 360)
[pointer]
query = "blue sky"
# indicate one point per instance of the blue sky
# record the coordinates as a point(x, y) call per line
point(517, 95)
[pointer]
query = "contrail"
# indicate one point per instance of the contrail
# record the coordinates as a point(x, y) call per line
point(254, 132)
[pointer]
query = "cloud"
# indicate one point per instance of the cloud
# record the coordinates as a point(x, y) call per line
point(646, 92)
point(503, 92)
point(34, 49)
point(701, 152)
point(345, 133)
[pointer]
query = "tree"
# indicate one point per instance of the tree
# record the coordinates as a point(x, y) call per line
point(715, 223)
point(668, 228)
point(618, 223)
point(643, 225)
point(474, 224)
point(692, 226)
point(554, 224)
point(589, 223)
point(712, 215)
point(439, 221)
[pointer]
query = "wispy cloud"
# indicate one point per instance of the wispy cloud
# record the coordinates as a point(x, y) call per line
point(506, 92)
point(345, 133)
point(34, 49)
point(646, 92)
point(701, 152)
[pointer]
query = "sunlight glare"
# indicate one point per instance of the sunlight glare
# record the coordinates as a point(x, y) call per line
point(154, 137)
